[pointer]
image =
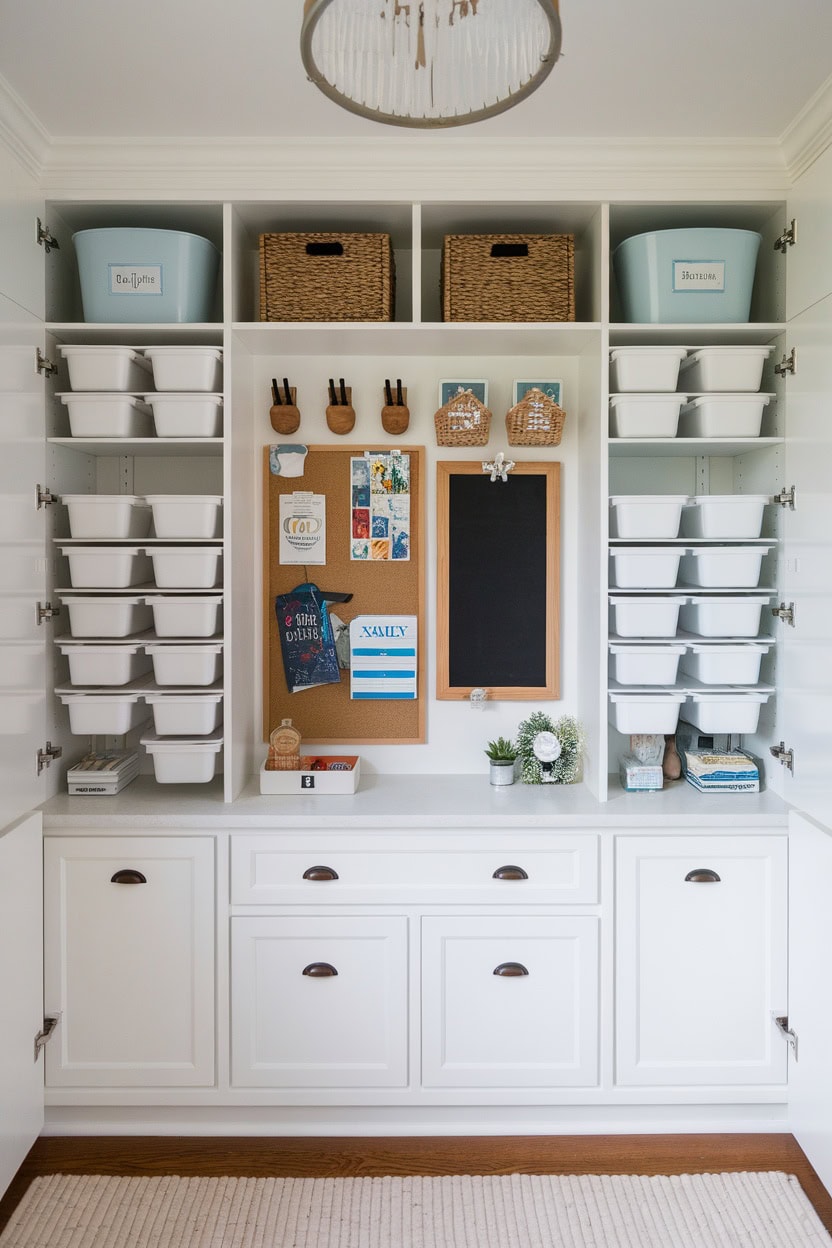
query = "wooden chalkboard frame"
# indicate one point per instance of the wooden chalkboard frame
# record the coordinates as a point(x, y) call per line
point(497, 581)
point(327, 715)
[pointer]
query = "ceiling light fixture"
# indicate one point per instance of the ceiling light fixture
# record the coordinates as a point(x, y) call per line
point(429, 63)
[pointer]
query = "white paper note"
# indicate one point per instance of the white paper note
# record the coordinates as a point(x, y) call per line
point(383, 657)
point(303, 528)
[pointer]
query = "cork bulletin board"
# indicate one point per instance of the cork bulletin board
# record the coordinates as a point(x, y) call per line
point(326, 714)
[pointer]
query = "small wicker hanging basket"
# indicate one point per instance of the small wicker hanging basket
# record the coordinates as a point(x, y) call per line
point(535, 421)
point(462, 421)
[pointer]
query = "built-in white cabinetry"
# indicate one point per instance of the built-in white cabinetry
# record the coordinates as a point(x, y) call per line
point(701, 965)
point(129, 962)
point(509, 1001)
point(319, 1002)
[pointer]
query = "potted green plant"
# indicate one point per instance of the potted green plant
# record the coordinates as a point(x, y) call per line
point(502, 755)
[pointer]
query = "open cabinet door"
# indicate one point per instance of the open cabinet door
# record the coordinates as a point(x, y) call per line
point(21, 992)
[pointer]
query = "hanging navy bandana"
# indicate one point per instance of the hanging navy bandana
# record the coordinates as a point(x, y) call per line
point(306, 636)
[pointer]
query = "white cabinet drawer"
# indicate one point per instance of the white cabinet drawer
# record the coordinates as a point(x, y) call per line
point(510, 1001)
point(319, 1002)
point(320, 869)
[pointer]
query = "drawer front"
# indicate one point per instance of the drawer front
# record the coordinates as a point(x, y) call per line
point(503, 870)
point(319, 1002)
point(510, 1002)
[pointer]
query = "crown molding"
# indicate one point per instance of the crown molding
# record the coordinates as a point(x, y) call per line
point(21, 132)
point(422, 166)
point(810, 133)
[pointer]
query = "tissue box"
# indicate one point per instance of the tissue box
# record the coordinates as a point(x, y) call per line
point(318, 773)
point(638, 777)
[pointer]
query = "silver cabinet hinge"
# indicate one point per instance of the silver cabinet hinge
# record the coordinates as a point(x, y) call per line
point(50, 1022)
point(788, 364)
point(785, 498)
point(784, 757)
point(44, 497)
point(781, 1022)
point(784, 613)
point(45, 238)
point(788, 238)
point(45, 611)
point(48, 755)
point(44, 365)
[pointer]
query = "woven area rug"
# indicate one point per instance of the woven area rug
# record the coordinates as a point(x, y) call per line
point(765, 1210)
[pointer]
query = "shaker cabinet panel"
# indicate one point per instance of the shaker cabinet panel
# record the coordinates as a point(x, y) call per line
point(319, 1002)
point(129, 936)
point(510, 1001)
point(701, 930)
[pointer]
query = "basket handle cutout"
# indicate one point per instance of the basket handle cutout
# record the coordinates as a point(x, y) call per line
point(509, 249)
point(324, 249)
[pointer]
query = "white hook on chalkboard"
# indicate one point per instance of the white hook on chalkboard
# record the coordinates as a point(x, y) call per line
point(477, 699)
point(498, 467)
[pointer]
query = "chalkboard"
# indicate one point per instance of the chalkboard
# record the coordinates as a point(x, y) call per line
point(498, 581)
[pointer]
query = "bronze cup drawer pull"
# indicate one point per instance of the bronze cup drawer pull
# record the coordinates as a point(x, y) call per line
point(320, 873)
point(702, 875)
point(319, 970)
point(510, 969)
point(128, 875)
point(510, 872)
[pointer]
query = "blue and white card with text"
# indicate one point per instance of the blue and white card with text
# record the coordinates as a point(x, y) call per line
point(383, 657)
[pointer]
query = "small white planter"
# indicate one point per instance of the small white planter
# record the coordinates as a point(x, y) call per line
point(501, 772)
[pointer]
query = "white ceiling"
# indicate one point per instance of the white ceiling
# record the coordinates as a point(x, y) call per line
point(710, 69)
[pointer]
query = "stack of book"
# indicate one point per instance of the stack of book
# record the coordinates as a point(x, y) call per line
point(103, 773)
point(729, 772)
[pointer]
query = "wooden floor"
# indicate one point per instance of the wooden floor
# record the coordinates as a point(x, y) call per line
point(341, 1157)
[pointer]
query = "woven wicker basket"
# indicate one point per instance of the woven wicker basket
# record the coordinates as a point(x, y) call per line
point(326, 277)
point(535, 421)
point(508, 277)
point(462, 421)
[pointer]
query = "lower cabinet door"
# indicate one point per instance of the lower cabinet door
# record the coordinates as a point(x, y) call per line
point(510, 1001)
point(129, 961)
point(319, 1002)
point(701, 962)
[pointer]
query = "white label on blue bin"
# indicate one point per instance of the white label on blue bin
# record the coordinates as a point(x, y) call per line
point(708, 275)
point(135, 279)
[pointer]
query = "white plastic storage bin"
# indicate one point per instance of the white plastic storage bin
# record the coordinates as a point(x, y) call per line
point(723, 416)
point(725, 712)
point(104, 714)
point(107, 416)
point(724, 368)
point(106, 368)
point(645, 712)
point(646, 515)
point(106, 515)
point(185, 515)
point(724, 515)
point(645, 368)
point(192, 616)
point(644, 567)
point(107, 617)
point(703, 274)
point(186, 567)
point(106, 567)
point(185, 368)
point(716, 664)
point(645, 665)
point(645, 415)
point(186, 415)
point(140, 275)
point(185, 715)
point(645, 617)
point(723, 616)
point(104, 665)
point(183, 760)
point(723, 567)
point(186, 665)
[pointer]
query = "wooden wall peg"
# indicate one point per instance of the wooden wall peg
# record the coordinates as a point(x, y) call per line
point(395, 415)
point(284, 413)
point(340, 416)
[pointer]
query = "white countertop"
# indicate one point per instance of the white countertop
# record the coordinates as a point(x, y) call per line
point(413, 802)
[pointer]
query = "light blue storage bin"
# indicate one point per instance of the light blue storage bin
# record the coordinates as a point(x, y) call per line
point(146, 276)
point(698, 275)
